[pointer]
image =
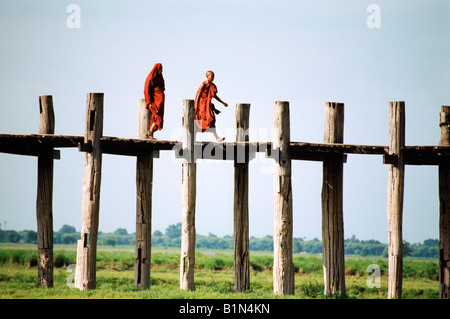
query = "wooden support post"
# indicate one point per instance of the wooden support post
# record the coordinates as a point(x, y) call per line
point(283, 267)
point(332, 211)
point(85, 274)
point(44, 200)
point(144, 180)
point(444, 215)
point(241, 227)
point(395, 198)
point(188, 193)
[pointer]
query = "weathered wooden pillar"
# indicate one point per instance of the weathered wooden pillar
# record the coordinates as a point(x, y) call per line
point(44, 200)
point(144, 180)
point(241, 223)
point(283, 267)
point(395, 198)
point(444, 215)
point(85, 274)
point(188, 193)
point(332, 211)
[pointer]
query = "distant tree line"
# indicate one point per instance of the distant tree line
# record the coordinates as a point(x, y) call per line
point(172, 238)
point(68, 235)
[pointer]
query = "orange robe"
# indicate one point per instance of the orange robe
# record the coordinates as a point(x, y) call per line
point(154, 94)
point(205, 117)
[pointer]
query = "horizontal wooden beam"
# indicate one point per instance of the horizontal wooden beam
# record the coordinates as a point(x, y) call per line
point(134, 146)
point(30, 144)
point(331, 152)
point(336, 148)
point(426, 155)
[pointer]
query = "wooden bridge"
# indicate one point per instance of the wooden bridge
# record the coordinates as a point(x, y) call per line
point(333, 152)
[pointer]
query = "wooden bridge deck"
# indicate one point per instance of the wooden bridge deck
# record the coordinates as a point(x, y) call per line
point(30, 144)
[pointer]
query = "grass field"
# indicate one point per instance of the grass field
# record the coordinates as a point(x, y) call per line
point(214, 276)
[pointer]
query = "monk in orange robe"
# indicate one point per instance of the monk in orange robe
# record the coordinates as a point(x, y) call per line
point(205, 112)
point(154, 97)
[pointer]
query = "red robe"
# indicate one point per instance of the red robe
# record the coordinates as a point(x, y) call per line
point(205, 117)
point(154, 95)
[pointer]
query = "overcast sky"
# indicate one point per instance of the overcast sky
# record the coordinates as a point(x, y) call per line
point(362, 53)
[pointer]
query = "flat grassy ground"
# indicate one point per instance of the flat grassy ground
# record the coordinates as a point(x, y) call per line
point(214, 277)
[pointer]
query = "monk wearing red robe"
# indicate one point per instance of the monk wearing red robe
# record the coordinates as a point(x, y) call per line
point(205, 112)
point(154, 97)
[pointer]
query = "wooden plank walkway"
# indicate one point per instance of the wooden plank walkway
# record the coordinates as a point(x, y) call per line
point(30, 144)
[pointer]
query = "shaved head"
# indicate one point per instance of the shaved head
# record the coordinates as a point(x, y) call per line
point(210, 76)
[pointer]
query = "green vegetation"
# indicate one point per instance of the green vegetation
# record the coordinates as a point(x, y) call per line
point(214, 276)
point(171, 239)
